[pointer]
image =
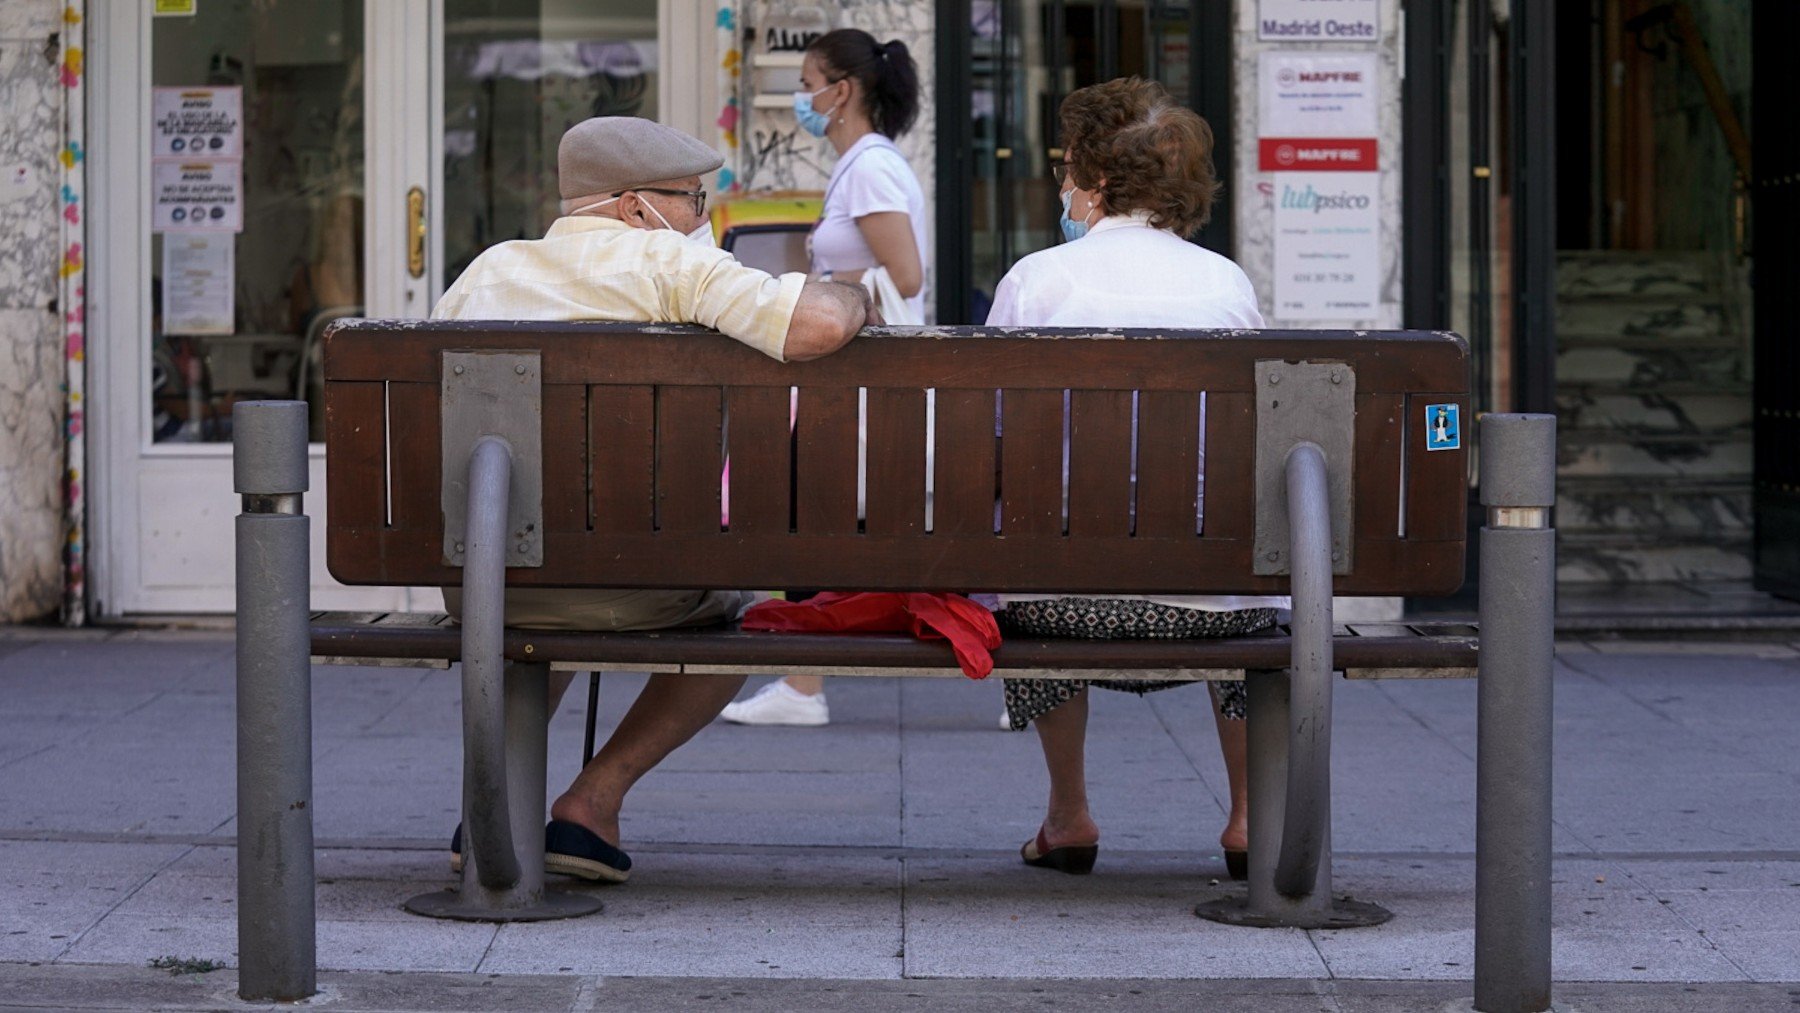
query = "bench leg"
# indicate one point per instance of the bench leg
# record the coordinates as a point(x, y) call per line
point(504, 707)
point(527, 899)
point(1264, 906)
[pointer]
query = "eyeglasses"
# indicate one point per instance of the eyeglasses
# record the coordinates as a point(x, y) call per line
point(697, 196)
point(1060, 172)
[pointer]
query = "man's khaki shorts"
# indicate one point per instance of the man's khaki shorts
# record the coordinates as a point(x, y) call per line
point(614, 610)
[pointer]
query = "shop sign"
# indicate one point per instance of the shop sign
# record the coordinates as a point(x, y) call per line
point(1327, 154)
point(198, 279)
point(1327, 245)
point(197, 196)
point(1318, 20)
point(1313, 94)
point(197, 123)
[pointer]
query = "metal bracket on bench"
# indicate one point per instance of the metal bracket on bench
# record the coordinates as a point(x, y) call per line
point(491, 400)
point(1290, 735)
point(1303, 402)
point(495, 394)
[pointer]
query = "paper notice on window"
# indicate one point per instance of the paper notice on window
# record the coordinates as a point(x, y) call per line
point(197, 122)
point(1327, 246)
point(197, 196)
point(198, 283)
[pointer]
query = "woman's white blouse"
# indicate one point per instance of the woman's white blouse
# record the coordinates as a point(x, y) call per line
point(873, 176)
point(1124, 273)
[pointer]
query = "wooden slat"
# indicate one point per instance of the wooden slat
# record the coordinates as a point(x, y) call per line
point(1380, 435)
point(825, 461)
point(975, 562)
point(963, 486)
point(1099, 463)
point(1031, 462)
point(622, 450)
point(565, 458)
point(689, 458)
point(356, 470)
point(896, 472)
point(596, 353)
point(1230, 464)
point(761, 447)
point(1168, 464)
point(417, 500)
point(1437, 484)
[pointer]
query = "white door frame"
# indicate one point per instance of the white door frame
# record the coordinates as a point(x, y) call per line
point(402, 131)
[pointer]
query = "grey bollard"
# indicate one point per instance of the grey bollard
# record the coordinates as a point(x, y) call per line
point(276, 928)
point(1513, 759)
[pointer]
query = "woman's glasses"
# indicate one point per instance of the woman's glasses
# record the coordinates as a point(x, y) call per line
point(1060, 172)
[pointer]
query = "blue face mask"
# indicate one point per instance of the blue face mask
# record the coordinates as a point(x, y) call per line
point(811, 120)
point(1072, 229)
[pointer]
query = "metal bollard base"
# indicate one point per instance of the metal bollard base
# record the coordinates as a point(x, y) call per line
point(1344, 913)
point(553, 905)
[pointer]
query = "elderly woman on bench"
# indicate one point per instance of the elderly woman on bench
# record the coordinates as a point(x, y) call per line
point(1138, 180)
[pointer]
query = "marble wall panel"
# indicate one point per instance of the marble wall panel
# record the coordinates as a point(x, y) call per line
point(31, 352)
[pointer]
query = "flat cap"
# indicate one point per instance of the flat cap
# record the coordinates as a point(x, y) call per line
point(607, 154)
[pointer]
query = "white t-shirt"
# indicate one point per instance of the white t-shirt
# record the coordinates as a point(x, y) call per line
point(1124, 273)
point(872, 177)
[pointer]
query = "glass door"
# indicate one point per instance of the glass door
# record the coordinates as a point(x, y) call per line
point(1025, 55)
point(261, 172)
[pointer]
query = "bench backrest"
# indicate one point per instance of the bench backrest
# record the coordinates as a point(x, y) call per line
point(637, 419)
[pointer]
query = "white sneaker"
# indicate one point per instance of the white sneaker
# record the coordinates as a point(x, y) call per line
point(1005, 721)
point(779, 704)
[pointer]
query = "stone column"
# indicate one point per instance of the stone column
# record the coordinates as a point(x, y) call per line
point(31, 346)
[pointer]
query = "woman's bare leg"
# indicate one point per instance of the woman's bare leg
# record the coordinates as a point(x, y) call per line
point(1234, 743)
point(1063, 734)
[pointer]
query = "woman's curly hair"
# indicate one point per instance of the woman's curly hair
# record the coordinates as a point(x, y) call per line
point(1130, 142)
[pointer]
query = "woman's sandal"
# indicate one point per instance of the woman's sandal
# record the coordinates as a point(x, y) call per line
point(1237, 864)
point(1074, 859)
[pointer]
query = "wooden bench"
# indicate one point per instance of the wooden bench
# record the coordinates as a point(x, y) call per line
point(614, 436)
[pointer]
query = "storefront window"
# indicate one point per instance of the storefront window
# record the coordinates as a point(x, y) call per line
point(1027, 57)
point(517, 73)
point(257, 177)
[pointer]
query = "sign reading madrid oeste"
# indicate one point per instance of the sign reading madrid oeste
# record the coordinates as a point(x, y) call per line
point(1318, 20)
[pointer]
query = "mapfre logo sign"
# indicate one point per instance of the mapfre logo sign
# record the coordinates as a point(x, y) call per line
point(1318, 154)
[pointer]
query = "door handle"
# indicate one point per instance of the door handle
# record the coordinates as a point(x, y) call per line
point(415, 232)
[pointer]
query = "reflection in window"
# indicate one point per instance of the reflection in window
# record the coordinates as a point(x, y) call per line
point(517, 74)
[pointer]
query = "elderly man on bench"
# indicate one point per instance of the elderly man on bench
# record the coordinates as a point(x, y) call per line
point(634, 244)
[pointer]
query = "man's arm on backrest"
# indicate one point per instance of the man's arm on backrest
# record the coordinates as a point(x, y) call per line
point(827, 315)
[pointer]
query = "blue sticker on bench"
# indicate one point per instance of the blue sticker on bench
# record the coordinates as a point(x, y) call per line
point(1443, 427)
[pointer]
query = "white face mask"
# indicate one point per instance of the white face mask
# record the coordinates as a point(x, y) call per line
point(702, 235)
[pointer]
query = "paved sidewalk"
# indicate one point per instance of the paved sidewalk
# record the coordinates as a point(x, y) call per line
point(882, 850)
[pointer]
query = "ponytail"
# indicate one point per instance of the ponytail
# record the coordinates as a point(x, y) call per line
point(886, 71)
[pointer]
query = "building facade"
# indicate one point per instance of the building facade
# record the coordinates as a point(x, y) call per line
point(197, 188)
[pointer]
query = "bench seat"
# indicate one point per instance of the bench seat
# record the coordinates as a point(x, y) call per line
point(1361, 650)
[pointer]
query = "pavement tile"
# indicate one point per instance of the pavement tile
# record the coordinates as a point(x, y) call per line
point(426, 944)
point(748, 808)
point(1589, 955)
point(1133, 916)
point(1764, 956)
point(1715, 911)
point(725, 915)
point(1715, 872)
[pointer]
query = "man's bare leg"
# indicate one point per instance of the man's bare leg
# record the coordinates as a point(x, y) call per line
point(669, 711)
